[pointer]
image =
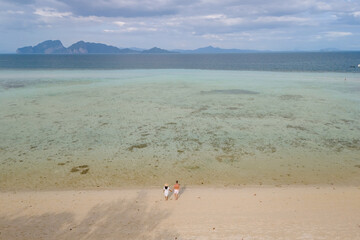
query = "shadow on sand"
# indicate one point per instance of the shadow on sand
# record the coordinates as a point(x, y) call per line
point(123, 219)
point(182, 190)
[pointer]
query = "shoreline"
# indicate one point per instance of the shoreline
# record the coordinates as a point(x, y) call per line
point(193, 186)
point(202, 212)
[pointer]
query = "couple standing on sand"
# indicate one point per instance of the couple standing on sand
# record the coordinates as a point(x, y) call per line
point(167, 189)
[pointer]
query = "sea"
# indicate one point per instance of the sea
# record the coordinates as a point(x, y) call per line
point(140, 120)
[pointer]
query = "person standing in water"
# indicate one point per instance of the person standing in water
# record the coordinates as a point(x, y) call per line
point(166, 190)
point(176, 189)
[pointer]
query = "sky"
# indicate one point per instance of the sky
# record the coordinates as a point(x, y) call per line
point(276, 25)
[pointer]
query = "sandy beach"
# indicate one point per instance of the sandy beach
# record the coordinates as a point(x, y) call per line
point(263, 155)
point(312, 212)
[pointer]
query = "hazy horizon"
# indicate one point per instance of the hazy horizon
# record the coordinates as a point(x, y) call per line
point(182, 49)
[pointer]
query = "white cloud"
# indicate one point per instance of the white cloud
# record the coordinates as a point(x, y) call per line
point(212, 36)
point(86, 19)
point(337, 34)
point(323, 6)
point(51, 12)
point(311, 23)
point(131, 29)
point(356, 14)
point(232, 21)
point(119, 23)
point(284, 19)
point(213, 16)
point(15, 12)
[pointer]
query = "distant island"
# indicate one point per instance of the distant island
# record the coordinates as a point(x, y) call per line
point(81, 47)
point(211, 49)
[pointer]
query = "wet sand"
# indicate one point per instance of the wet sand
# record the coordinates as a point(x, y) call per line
point(200, 213)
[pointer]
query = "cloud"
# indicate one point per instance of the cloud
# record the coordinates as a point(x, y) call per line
point(131, 29)
point(284, 19)
point(356, 14)
point(109, 30)
point(213, 36)
point(119, 23)
point(21, 2)
point(15, 12)
point(50, 12)
point(122, 8)
point(230, 23)
point(337, 34)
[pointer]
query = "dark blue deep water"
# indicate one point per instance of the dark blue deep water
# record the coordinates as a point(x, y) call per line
point(301, 62)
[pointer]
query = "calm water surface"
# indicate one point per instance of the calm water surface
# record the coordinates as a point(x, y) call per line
point(308, 62)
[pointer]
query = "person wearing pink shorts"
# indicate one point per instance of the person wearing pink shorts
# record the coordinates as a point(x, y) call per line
point(176, 190)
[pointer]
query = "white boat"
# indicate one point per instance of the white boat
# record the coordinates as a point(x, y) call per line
point(358, 65)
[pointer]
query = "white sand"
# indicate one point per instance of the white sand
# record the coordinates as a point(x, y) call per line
point(200, 213)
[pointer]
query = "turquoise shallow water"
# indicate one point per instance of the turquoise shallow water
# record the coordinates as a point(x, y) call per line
point(115, 128)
